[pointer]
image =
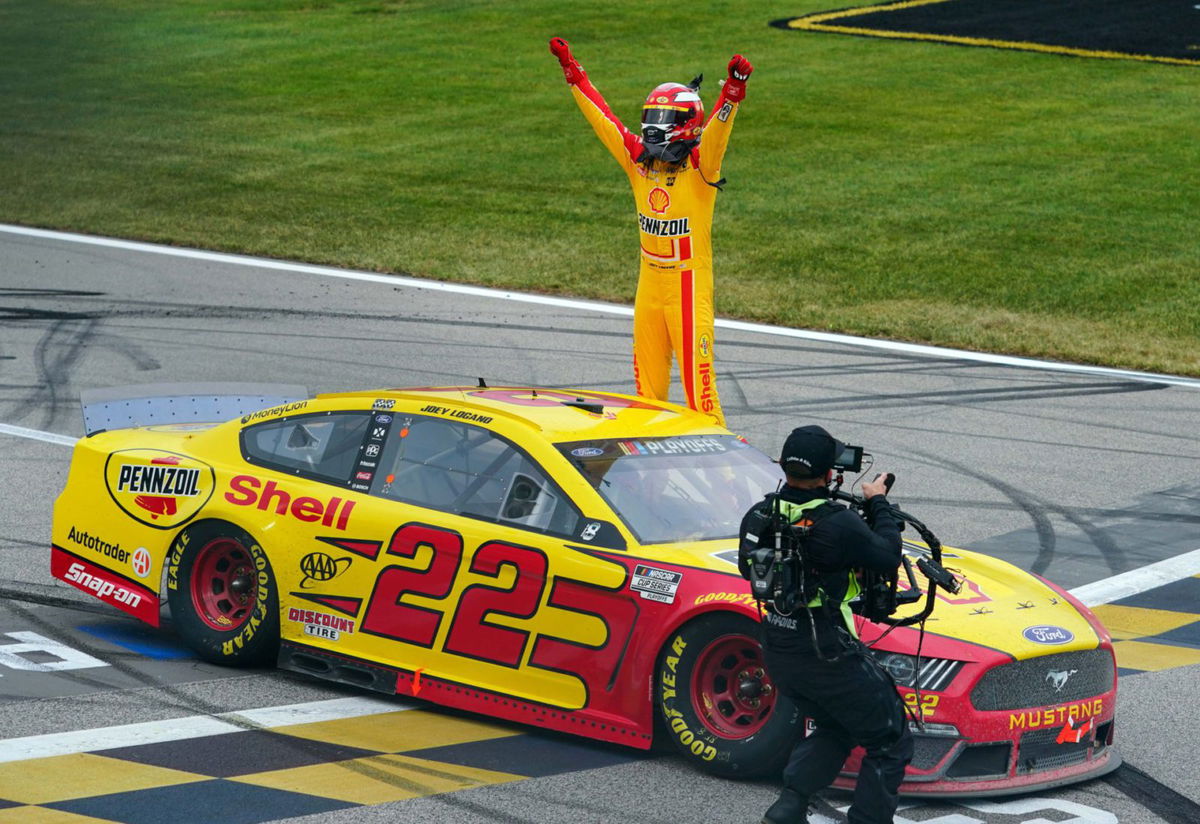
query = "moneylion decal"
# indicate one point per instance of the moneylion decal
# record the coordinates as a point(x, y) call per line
point(158, 488)
point(1073, 28)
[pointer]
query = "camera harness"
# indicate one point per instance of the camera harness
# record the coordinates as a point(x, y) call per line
point(781, 578)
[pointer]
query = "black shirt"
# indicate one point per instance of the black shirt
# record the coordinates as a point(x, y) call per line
point(838, 542)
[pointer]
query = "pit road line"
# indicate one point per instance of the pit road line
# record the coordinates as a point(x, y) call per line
point(597, 306)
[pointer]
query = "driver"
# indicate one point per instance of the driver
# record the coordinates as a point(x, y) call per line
point(675, 181)
point(813, 651)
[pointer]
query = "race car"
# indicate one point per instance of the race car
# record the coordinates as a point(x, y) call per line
point(561, 558)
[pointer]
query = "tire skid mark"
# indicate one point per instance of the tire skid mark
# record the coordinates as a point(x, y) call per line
point(1034, 508)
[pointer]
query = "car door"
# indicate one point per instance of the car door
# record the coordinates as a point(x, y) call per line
point(474, 578)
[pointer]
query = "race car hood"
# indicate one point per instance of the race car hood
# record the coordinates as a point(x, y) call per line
point(1000, 606)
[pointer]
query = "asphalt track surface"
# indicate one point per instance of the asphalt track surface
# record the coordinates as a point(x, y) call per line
point(1077, 476)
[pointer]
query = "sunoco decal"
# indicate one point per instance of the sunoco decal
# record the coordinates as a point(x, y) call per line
point(655, 584)
point(157, 488)
point(1044, 634)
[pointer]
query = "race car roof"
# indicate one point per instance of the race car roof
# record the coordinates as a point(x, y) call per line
point(559, 414)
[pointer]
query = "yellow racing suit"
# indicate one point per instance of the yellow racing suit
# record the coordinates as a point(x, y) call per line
point(673, 310)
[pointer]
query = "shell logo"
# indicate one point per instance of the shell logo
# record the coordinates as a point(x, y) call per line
point(659, 200)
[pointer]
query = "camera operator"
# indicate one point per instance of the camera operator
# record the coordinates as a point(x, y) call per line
point(811, 644)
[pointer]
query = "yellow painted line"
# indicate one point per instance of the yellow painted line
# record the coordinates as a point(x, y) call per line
point(400, 731)
point(1138, 622)
point(44, 815)
point(1140, 655)
point(817, 22)
point(82, 775)
point(377, 779)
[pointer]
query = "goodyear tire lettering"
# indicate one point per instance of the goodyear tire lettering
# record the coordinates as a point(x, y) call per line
point(691, 728)
point(250, 639)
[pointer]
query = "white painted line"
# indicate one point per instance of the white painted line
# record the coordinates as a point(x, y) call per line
point(600, 307)
point(1137, 581)
point(179, 729)
point(37, 435)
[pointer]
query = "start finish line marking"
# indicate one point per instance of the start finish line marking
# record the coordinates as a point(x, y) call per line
point(178, 729)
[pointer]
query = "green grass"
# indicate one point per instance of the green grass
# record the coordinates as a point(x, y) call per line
point(976, 198)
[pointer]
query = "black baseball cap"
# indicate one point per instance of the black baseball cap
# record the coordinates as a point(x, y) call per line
point(809, 452)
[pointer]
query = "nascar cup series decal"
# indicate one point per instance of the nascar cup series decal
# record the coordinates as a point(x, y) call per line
point(157, 488)
point(655, 584)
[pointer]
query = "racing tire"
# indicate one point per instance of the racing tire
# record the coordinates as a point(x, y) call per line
point(719, 706)
point(222, 595)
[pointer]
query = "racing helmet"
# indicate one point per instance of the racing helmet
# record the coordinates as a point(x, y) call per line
point(672, 119)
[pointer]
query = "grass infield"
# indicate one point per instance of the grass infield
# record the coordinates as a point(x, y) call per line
point(978, 198)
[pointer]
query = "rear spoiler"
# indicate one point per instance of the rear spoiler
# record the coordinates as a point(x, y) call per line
point(122, 407)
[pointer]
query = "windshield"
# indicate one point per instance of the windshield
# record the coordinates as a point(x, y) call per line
point(690, 488)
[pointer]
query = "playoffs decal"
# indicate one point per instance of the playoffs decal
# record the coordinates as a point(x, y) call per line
point(157, 488)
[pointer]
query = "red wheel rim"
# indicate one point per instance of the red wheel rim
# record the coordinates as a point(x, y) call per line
point(731, 691)
point(224, 585)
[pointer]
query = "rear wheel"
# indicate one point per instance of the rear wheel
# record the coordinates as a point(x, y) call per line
point(721, 709)
point(222, 594)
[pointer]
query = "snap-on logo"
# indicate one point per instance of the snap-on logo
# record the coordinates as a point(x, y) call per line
point(1045, 634)
point(158, 488)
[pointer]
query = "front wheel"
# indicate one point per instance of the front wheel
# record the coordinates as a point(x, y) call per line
point(222, 594)
point(721, 709)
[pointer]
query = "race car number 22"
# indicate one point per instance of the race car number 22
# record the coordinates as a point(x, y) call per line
point(470, 634)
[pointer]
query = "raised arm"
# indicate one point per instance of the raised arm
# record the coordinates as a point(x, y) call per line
point(716, 131)
point(624, 145)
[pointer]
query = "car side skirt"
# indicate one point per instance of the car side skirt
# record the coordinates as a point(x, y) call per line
point(398, 681)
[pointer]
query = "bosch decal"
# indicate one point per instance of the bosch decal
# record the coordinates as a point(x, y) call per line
point(159, 489)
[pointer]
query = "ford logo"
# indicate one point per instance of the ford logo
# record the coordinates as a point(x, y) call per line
point(383, 418)
point(587, 452)
point(1044, 634)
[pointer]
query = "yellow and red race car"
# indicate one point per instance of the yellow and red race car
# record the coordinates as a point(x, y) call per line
point(565, 559)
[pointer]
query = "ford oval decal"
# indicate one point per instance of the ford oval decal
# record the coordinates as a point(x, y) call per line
point(1045, 634)
point(587, 452)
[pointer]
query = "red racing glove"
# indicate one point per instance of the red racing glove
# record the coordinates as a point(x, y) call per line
point(571, 69)
point(739, 73)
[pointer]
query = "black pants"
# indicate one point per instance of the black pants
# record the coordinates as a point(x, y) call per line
point(853, 703)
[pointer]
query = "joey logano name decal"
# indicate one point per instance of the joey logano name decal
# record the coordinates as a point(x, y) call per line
point(158, 488)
